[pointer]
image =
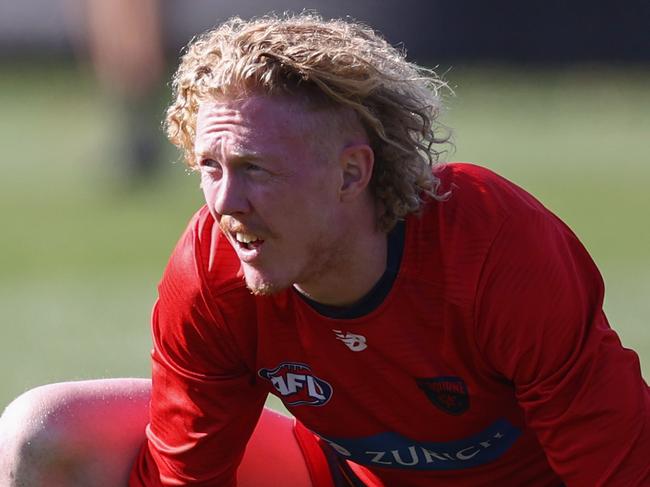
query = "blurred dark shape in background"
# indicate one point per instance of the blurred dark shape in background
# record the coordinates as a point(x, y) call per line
point(553, 31)
point(126, 42)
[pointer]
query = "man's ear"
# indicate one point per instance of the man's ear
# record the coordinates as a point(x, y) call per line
point(357, 162)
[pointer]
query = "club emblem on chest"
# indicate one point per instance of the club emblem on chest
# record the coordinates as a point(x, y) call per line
point(449, 393)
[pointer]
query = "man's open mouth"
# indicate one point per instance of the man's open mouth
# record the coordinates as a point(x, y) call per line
point(248, 241)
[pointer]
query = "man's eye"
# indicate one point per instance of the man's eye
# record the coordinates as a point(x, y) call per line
point(255, 168)
point(209, 164)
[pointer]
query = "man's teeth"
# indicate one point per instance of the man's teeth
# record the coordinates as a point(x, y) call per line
point(245, 237)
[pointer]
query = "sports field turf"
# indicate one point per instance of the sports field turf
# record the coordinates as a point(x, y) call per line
point(81, 255)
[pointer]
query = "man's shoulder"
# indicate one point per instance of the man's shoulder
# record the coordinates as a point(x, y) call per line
point(474, 182)
point(455, 233)
point(204, 259)
point(484, 214)
point(474, 193)
point(202, 317)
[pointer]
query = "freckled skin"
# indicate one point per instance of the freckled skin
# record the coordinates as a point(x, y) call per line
point(267, 170)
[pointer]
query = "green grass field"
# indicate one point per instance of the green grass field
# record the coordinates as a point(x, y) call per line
point(81, 255)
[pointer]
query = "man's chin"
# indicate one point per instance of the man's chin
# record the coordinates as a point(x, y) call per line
point(263, 287)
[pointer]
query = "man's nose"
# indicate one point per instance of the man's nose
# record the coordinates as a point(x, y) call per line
point(231, 196)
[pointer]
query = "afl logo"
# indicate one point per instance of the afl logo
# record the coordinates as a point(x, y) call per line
point(296, 385)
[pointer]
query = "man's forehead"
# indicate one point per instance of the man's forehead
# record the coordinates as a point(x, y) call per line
point(250, 122)
point(255, 108)
point(254, 119)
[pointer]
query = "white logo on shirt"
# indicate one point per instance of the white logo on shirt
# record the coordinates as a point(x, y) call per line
point(356, 343)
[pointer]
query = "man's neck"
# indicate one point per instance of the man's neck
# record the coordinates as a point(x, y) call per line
point(376, 296)
point(354, 277)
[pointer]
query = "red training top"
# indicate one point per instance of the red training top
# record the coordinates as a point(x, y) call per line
point(489, 361)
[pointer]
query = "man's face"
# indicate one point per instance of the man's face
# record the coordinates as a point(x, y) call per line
point(271, 180)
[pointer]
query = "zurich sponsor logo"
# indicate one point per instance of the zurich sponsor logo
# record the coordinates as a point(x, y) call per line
point(296, 385)
point(391, 450)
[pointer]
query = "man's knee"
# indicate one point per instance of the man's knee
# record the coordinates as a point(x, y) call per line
point(76, 433)
point(29, 436)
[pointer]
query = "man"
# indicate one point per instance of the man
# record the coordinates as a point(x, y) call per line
point(426, 325)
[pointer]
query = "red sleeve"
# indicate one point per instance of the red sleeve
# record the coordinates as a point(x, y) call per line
point(205, 402)
point(540, 324)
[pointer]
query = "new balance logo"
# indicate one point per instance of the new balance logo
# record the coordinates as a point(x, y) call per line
point(356, 343)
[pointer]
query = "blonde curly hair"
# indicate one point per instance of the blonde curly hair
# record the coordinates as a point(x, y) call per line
point(331, 63)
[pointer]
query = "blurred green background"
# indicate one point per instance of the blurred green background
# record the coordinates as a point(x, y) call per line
point(81, 253)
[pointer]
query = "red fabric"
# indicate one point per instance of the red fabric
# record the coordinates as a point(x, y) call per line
point(490, 362)
point(365, 475)
point(319, 468)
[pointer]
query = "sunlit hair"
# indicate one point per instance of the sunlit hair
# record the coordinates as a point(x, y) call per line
point(330, 63)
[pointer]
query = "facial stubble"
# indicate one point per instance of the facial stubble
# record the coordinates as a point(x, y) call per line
point(326, 259)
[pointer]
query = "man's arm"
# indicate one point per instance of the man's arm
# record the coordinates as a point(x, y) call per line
point(199, 427)
point(540, 324)
point(205, 402)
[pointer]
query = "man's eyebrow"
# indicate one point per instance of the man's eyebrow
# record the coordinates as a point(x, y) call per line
point(244, 156)
point(233, 156)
